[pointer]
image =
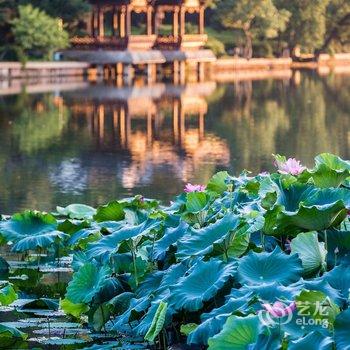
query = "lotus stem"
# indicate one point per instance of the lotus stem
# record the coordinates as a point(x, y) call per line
point(103, 319)
point(135, 268)
point(48, 323)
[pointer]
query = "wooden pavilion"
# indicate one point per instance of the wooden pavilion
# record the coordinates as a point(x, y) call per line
point(140, 24)
point(122, 35)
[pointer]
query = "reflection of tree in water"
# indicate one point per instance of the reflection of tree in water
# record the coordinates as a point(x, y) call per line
point(250, 125)
point(40, 125)
point(318, 122)
point(32, 127)
point(300, 120)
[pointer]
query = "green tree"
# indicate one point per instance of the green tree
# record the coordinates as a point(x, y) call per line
point(307, 25)
point(337, 25)
point(35, 31)
point(258, 19)
point(72, 12)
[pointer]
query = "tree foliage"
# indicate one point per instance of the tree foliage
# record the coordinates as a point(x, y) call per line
point(34, 30)
point(307, 25)
point(256, 18)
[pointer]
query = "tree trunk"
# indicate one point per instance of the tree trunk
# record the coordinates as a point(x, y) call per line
point(333, 33)
point(248, 51)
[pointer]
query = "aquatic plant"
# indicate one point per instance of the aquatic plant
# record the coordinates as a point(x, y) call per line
point(249, 261)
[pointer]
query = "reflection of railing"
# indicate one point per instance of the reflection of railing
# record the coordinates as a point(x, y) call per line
point(114, 43)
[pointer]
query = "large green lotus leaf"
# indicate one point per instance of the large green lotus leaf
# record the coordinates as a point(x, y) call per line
point(170, 237)
point(7, 293)
point(312, 341)
point(217, 183)
point(38, 304)
point(317, 305)
point(83, 234)
point(232, 304)
point(269, 339)
point(86, 283)
point(71, 226)
point(27, 224)
point(202, 283)
point(151, 283)
point(311, 252)
point(4, 268)
point(207, 329)
point(257, 268)
point(137, 308)
point(339, 278)
point(108, 288)
point(120, 303)
point(73, 309)
point(196, 201)
point(306, 208)
point(329, 171)
point(113, 211)
point(42, 240)
point(157, 322)
point(338, 243)
point(105, 246)
point(341, 330)
point(271, 292)
point(100, 317)
point(200, 242)
point(301, 325)
point(7, 332)
point(318, 284)
point(234, 244)
point(239, 333)
point(157, 282)
point(77, 211)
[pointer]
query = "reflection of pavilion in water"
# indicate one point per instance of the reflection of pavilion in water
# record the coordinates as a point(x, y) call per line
point(158, 125)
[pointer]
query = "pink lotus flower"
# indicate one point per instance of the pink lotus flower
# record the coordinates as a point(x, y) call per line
point(278, 309)
point(290, 166)
point(194, 188)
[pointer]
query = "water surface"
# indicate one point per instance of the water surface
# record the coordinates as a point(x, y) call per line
point(97, 142)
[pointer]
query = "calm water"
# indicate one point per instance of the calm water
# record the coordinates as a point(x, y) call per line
point(95, 143)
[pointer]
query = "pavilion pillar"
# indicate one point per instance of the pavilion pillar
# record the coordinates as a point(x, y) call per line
point(101, 24)
point(128, 21)
point(115, 21)
point(149, 127)
point(151, 73)
point(201, 71)
point(176, 22)
point(122, 23)
point(123, 132)
point(90, 24)
point(201, 125)
point(201, 20)
point(182, 21)
point(176, 72)
point(94, 22)
point(182, 72)
point(101, 121)
point(149, 21)
point(176, 120)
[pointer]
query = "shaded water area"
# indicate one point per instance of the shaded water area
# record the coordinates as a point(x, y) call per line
point(91, 143)
point(99, 142)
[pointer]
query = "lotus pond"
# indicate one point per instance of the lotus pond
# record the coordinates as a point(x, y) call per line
point(245, 262)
